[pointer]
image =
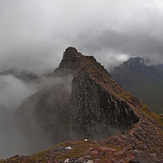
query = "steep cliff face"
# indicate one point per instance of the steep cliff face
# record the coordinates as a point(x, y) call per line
point(97, 113)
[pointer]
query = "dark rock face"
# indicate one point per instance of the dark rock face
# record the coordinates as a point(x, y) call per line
point(96, 112)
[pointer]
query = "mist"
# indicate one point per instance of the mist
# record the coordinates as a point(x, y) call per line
point(12, 93)
point(19, 131)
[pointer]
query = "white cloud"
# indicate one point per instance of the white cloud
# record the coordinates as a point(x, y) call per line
point(13, 92)
point(122, 57)
point(34, 33)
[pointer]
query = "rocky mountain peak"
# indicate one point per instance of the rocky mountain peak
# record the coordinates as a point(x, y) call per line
point(88, 103)
point(71, 52)
point(73, 61)
point(137, 61)
point(92, 98)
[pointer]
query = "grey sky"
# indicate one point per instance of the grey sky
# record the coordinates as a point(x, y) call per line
point(34, 33)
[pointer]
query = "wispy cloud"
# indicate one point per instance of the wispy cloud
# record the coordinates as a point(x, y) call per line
point(34, 33)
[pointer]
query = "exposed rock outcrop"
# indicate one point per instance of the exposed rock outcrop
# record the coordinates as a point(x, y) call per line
point(97, 113)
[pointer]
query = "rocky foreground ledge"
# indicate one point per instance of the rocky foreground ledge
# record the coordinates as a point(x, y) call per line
point(86, 151)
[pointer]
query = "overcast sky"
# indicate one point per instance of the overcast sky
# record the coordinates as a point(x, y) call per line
point(34, 33)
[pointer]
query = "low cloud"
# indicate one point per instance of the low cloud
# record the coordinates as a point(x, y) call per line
point(13, 92)
point(109, 46)
point(14, 134)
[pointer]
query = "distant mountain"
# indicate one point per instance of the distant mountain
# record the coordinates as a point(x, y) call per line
point(142, 80)
point(82, 101)
point(23, 75)
point(159, 66)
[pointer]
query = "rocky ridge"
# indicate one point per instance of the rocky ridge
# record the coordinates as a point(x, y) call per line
point(89, 103)
point(95, 108)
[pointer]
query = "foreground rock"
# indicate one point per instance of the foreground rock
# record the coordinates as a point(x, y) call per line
point(86, 152)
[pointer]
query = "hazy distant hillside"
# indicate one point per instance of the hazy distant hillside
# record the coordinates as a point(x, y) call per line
point(143, 81)
point(23, 75)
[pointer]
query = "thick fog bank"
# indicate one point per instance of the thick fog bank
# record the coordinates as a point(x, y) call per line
point(12, 93)
point(19, 132)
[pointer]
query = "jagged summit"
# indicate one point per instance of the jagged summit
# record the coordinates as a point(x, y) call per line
point(71, 52)
point(135, 61)
point(73, 61)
